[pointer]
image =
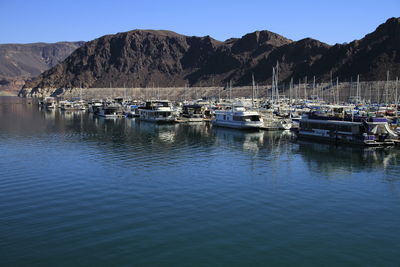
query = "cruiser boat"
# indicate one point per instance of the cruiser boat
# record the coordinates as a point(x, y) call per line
point(95, 105)
point(66, 105)
point(159, 111)
point(49, 103)
point(239, 118)
point(81, 105)
point(132, 108)
point(368, 131)
point(73, 106)
point(111, 111)
point(193, 113)
point(132, 111)
point(274, 122)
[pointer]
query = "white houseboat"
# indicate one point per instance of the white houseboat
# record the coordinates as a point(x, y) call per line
point(159, 111)
point(49, 103)
point(239, 118)
point(111, 111)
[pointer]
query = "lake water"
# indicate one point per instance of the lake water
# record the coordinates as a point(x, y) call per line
point(76, 190)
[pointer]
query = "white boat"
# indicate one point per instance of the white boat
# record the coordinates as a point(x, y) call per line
point(132, 111)
point(66, 105)
point(159, 111)
point(95, 105)
point(132, 108)
point(73, 106)
point(50, 103)
point(81, 105)
point(111, 111)
point(273, 122)
point(239, 118)
point(193, 113)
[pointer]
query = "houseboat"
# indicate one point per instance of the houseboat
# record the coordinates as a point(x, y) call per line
point(49, 103)
point(368, 131)
point(111, 111)
point(159, 111)
point(66, 105)
point(193, 113)
point(95, 105)
point(239, 118)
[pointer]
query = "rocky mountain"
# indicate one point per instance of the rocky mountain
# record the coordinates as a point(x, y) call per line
point(163, 58)
point(21, 62)
point(143, 58)
point(370, 57)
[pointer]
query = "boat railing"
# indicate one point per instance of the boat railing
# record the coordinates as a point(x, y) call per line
point(347, 117)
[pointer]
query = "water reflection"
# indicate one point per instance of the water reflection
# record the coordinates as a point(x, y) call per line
point(333, 160)
point(177, 140)
point(73, 182)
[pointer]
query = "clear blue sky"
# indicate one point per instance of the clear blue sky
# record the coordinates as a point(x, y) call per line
point(59, 20)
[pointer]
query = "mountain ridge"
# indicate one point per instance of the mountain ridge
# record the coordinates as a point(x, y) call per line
point(21, 62)
point(141, 58)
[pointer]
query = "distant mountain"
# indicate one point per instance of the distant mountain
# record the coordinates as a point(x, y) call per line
point(370, 57)
point(142, 58)
point(146, 57)
point(19, 62)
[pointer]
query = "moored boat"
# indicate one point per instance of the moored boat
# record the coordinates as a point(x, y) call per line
point(368, 131)
point(159, 111)
point(49, 103)
point(239, 118)
point(111, 111)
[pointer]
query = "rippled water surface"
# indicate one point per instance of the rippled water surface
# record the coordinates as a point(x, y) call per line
point(76, 190)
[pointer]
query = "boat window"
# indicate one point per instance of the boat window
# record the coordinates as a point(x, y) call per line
point(343, 128)
point(238, 118)
point(254, 118)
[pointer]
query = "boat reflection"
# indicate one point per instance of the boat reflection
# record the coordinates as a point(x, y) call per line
point(333, 160)
point(70, 115)
point(265, 142)
point(137, 138)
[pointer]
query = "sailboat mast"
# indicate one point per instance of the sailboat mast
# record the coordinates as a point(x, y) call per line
point(298, 92)
point(230, 89)
point(337, 89)
point(80, 91)
point(313, 86)
point(252, 90)
point(290, 91)
point(396, 96)
point(273, 85)
point(387, 88)
point(276, 80)
point(358, 88)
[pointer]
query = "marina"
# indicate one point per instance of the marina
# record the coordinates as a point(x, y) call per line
point(203, 133)
point(73, 181)
point(357, 121)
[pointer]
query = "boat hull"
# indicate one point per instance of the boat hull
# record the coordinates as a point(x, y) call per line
point(348, 140)
point(158, 120)
point(243, 126)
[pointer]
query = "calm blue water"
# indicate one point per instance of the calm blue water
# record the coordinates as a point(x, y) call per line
point(81, 191)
